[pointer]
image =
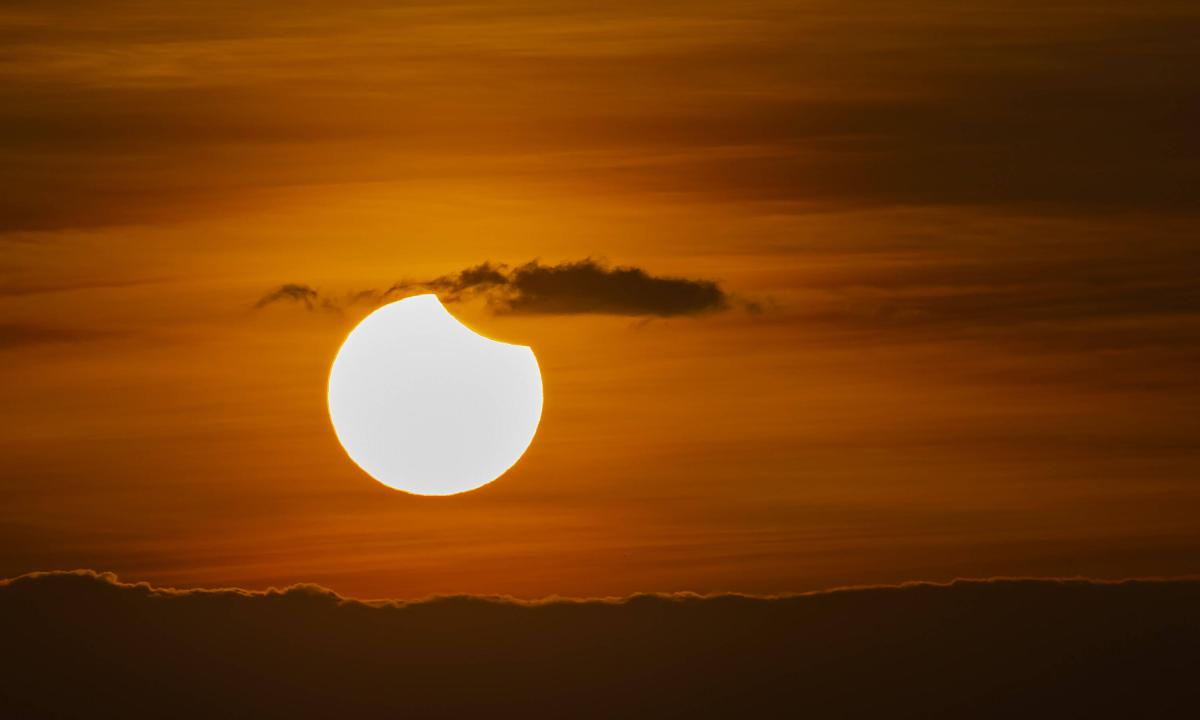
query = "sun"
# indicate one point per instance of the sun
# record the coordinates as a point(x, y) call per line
point(425, 405)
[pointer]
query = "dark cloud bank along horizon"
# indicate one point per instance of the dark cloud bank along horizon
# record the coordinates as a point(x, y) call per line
point(89, 645)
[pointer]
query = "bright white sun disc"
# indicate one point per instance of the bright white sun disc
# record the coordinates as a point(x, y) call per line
point(425, 405)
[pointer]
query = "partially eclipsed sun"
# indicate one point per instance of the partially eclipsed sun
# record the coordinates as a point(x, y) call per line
point(425, 405)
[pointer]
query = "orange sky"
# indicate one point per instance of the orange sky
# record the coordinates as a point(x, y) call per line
point(970, 227)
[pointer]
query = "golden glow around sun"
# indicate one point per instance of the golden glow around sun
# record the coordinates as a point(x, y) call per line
point(425, 405)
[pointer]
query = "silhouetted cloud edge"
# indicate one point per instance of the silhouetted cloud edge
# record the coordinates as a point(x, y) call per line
point(313, 590)
point(587, 286)
point(86, 644)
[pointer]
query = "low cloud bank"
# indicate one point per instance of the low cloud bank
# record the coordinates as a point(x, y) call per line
point(83, 644)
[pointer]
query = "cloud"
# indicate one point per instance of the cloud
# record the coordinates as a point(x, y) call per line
point(17, 335)
point(86, 644)
point(292, 293)
point(582, 286)
point(151, 113)
point(570, 288)
point(313, 299)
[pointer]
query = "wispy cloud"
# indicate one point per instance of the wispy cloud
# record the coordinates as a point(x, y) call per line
point(292, 293)
point(148, 113)
point(18, 335)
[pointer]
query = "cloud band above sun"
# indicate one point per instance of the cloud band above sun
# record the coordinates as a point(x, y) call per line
point(569, 288)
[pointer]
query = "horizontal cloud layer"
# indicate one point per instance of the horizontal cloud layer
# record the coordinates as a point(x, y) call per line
point(150, 112)
point(85, 644)
point(583, 286)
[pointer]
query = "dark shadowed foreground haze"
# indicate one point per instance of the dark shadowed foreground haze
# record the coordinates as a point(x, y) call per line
point(92, 646)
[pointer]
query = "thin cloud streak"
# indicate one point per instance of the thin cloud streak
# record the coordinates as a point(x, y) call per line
point(152, 115)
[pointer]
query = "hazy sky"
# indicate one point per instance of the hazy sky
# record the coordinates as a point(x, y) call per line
point(955, 242)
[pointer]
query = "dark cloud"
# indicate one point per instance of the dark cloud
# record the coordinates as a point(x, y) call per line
point(588, 287)
point(292, 293)
point(313, 299)
point(570, 288)
point(583, 286)
point(452, 288)
point(86, 645)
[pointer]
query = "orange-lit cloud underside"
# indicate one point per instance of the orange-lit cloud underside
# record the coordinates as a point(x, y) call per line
point(970, 228)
